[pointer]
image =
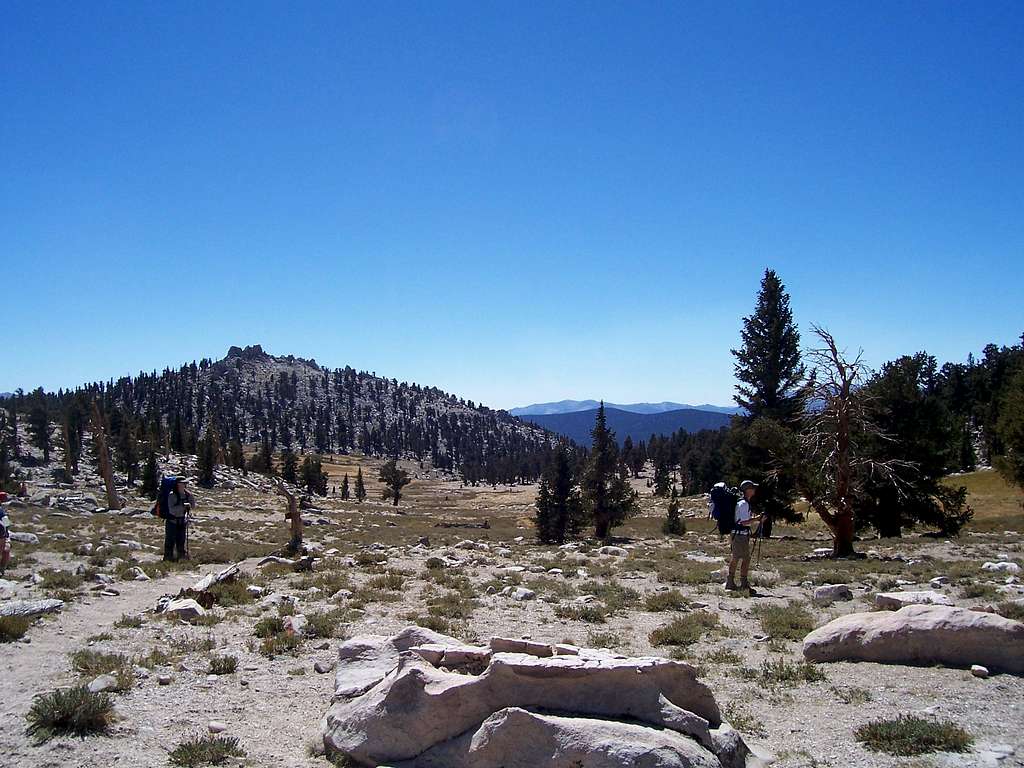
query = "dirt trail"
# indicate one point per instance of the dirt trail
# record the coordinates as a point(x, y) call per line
point(274, 725)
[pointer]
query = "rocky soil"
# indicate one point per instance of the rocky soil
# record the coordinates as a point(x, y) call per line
point(378, 570)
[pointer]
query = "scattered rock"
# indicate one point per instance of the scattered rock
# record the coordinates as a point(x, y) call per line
point(1000, 567)
point(979, 671)
point(613, 551)
point(921, 634)
point(137, 574)
point(518, 593)
point(185, 609)
point(163, 679)
point(22, 537)
point(323, 667)
point(831, 593)
point(215, 726)
point(102, 683)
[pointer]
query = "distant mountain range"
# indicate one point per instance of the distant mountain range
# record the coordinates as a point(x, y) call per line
point(573, 406)
point(638, 426)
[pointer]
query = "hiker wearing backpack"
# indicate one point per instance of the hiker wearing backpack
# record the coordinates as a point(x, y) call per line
point(5, 535)
point(743, 519)
point(177, 508)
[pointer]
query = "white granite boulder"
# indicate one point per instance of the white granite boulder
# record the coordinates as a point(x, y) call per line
point(611, 711)
point(921, 634)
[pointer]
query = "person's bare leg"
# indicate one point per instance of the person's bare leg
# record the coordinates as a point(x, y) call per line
point(731, 581)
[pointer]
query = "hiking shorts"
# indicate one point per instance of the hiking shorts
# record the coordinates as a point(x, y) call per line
point(741, 546)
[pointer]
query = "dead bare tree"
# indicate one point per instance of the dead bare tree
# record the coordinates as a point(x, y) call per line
point(833, 441)
point(293, 514)
point(99, 436)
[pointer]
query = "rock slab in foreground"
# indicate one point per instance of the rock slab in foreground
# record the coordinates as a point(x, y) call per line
point(922, 634)
point(394, 707)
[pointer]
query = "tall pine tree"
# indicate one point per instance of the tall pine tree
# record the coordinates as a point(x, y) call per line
point(768, 365)
point(607, 495)
point(771, 391)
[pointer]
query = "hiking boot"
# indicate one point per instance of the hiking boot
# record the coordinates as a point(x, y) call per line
point(731, 585)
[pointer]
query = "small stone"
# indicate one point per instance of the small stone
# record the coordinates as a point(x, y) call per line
point(163, 679)
point(323, 667)
point(102, 683)
point(215, 726)
point(979, 671)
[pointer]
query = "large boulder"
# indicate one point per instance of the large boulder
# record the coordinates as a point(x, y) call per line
point(364, 660)
point(612, 711)
point(921, 634)
point(895, 600)
point(517, 738)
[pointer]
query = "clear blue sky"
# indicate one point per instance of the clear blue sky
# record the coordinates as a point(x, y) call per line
point(515, 202)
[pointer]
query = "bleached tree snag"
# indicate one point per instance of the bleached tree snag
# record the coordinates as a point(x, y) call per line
point(836, 431)
point(293, 514)
point(99, 436)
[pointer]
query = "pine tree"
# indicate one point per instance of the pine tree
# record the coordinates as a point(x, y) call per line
point(662, 476)
point(208, 451)
point(39, 428)
point(127, 452)
point(235, 455)
point(559, 509)
point(177, 435)
point(674, 524)
point(768, 365)
point(771, 390)
point(344, 487)
point(151, 477)
point(916, 431)
point(1010, 428)
point(607, 495)
point(394, 479)
point(360, 486)
point(312, 476)
point(290, 466)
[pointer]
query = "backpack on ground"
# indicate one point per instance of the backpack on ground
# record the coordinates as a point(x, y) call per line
point(162, 508)
point(723, 507)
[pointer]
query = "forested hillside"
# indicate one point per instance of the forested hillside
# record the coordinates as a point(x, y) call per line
point(251, 398)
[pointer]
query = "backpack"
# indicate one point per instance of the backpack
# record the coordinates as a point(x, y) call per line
point(162, 500)
point(723, 508)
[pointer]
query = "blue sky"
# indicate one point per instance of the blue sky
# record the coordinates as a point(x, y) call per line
point(516, 202)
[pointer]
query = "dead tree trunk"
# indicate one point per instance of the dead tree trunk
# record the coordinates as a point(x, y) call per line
point(99, 436)
point(293, 514)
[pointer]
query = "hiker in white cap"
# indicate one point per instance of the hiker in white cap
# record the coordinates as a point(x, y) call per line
point(740, 550)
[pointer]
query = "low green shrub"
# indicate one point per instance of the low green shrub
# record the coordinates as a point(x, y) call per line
point(205, 750)
point(69, 712)
point(909, 735)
